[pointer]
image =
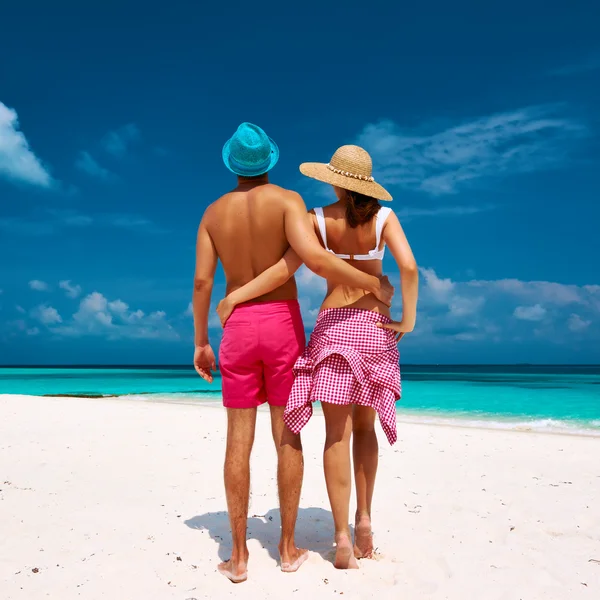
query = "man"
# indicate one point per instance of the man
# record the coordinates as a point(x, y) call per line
point(249, 229)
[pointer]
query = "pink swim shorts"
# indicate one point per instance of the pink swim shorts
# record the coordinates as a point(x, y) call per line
point(260, 345)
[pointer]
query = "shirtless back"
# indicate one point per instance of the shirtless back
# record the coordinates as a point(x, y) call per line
point(247, 230)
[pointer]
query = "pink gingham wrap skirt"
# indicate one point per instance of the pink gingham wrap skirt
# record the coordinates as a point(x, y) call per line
point(348, 360)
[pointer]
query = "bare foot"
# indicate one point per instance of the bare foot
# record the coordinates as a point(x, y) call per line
point(235, 572)
point(292, 560)
point(344, 556)
point(363, 538)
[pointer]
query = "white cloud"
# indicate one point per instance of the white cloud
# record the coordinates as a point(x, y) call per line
point(494, 311)
point(20, 309)
point(118, 306)
point(441, 162)
point(72, 291)
point(576, 323)
point(33, 331)
point(543, 291)
point(17, 160)
point(114, 320)
point(440, 288)
point(461, 306)
point(310, 283)
point(38, 286)
point(88, 164)
point(47, 315)
point(311, 291)
point(118, 142)
point(530, 313)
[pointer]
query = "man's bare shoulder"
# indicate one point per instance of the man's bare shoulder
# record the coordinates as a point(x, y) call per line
point(286, 198)
point(213, 209)
point(277, 192)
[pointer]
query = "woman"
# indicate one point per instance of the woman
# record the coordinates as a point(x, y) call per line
point(351, 364)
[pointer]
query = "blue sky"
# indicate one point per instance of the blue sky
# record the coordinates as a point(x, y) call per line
point(483, 121)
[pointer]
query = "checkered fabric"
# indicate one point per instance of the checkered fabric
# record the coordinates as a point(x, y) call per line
point(348, 360)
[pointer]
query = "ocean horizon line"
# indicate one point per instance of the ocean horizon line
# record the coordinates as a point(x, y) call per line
point(189, 366)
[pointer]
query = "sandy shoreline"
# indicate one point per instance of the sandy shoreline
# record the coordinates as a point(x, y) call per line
point(104, 496)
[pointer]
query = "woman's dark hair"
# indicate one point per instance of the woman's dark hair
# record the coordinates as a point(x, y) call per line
point(360, 209)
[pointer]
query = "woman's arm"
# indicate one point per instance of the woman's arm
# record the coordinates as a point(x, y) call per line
point(395, 239)
point(266, 282)
point(300, 233)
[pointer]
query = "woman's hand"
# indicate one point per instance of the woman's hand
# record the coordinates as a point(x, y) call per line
point(224, 309)
point(385, 291)
point(398, 327)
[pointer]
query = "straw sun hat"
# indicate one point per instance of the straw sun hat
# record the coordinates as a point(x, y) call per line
point(350, 168)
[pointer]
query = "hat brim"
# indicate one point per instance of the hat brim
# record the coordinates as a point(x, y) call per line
point(321, 172)
point(250, 172)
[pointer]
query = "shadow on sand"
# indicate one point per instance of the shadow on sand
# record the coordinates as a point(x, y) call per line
point(314, 530)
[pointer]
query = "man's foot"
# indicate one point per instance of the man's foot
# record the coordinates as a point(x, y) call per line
point(344, 555)
point(363, 538)
point(292, 558)
point(235, 572)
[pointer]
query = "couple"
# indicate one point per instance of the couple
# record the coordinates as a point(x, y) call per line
point(262, 233)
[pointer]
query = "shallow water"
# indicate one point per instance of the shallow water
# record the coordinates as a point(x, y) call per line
point(544, 398)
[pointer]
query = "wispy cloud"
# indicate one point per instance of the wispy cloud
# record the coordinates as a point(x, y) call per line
point(17, 161)
point(119, 141)
point(38, 286)
point(133, 223)
point(88, 164)
point(559, 294)
point(20, 226)
point(72, 290)
point(586, 65)
point(409, 213)
point(530, 139)
point(52, 221)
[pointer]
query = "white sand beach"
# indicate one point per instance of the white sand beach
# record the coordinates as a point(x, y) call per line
point(124, 500)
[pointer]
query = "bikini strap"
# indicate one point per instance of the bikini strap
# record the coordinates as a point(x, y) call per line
point(321, 222)
point(381, 218)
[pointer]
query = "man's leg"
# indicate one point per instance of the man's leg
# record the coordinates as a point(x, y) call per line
point(241, 423)
point(290, 471)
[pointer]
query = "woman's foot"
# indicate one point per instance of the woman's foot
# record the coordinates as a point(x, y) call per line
point(363, 538)
point(344, 556)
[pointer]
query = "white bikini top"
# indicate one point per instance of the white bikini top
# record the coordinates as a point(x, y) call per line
point(375, 254)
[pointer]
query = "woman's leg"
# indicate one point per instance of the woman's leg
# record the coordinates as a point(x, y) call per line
point(365, 451)
point(336, 462)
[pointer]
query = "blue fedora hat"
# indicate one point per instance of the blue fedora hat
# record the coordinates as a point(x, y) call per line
point(250, 152)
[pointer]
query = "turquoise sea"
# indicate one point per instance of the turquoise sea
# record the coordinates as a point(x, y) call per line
point(545, 398)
